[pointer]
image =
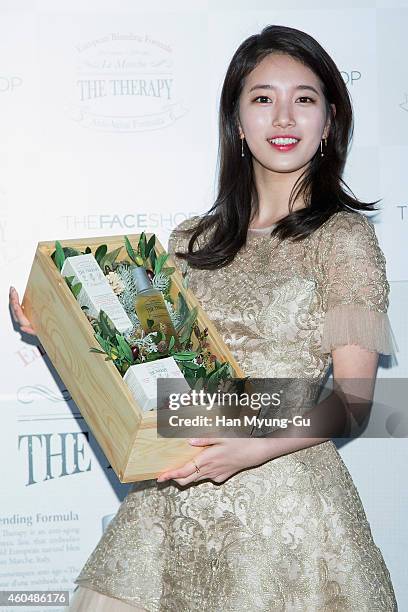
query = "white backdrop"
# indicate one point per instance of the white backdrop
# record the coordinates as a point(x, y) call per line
point(85, 152)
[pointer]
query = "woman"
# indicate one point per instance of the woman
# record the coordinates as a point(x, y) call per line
point(295, 282)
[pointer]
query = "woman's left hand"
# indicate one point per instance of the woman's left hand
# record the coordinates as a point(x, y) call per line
point(222, 458)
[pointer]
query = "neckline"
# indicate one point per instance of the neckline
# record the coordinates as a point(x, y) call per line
point(259, 231)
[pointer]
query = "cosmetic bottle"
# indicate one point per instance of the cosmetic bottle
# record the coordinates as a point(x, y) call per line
point(150, 305)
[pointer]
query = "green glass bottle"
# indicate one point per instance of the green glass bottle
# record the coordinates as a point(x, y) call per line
point(150, 305)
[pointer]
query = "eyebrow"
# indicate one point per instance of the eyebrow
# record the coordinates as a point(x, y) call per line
point(267, 86)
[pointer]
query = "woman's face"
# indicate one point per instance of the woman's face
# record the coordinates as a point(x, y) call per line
point(282, 97)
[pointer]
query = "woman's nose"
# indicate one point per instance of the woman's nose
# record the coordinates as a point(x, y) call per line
point(283, 115)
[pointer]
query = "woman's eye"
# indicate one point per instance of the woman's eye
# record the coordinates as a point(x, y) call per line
point(266, 98)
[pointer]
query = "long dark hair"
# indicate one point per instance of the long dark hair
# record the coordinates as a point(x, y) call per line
point(321, 187)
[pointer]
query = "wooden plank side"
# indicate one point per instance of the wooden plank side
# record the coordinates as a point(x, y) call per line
point(151, 454)
point(95, 385)
point(146, 463)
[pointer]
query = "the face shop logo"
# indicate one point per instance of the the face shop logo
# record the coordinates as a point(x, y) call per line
point(125, 83)
point(9, 83)
point(351, 77)
point(138, 222)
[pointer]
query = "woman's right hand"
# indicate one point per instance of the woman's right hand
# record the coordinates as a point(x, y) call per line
point(18, 314)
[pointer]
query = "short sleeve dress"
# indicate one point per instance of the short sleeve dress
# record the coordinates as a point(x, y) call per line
point(291, 534)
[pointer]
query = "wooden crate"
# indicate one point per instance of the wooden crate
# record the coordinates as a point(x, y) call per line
point(126, 434)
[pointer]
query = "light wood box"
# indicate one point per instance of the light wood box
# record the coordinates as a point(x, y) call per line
point(126, 434)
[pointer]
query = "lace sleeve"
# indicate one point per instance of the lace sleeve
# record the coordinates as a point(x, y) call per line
point(356, 288)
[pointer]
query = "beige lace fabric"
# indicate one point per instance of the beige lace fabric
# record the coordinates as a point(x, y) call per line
point(356, 289)
point(291, 534)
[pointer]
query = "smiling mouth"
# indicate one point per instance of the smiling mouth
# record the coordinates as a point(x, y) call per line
point(283, 144)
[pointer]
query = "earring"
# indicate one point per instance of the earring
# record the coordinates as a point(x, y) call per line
point(321, 146)
point(242, 147)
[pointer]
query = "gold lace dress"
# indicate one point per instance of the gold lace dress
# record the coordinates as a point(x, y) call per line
point(291, 534)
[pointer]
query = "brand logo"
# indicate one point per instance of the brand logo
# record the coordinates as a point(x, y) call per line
point(9, 83)
point(148, 222)
point(125, 83)
point(351, 77)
